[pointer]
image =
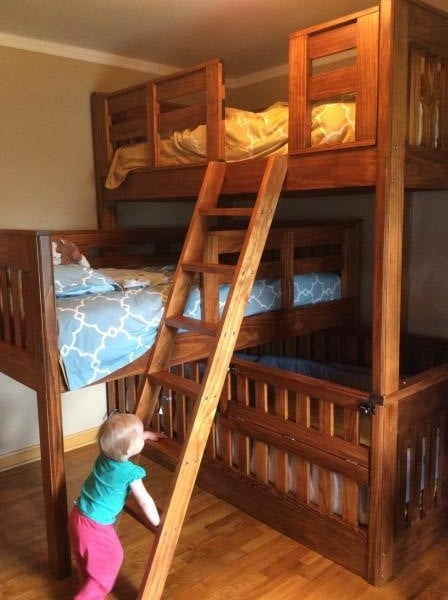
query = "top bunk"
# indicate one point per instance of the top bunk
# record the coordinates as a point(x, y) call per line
point(152, 141)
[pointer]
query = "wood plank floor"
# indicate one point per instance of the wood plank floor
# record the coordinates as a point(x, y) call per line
point(222, 553)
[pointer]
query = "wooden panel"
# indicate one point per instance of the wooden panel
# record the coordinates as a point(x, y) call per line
point(333, 40)
point(127, 99)
point(299, 126)
point(181, 118)
point(333, 84)
point(128, 130)
point(173, 87)
point(367, 72)
point(426, 168)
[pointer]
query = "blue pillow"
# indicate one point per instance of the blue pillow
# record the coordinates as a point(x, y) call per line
point(74, 280)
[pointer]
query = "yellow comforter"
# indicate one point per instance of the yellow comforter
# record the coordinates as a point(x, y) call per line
point(247, 135)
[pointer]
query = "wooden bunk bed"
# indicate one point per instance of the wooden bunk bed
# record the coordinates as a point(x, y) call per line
point(394, 149)
point(31, 323)
point(400, 144)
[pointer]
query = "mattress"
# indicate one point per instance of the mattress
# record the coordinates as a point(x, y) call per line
point(247, 135)
point(102, 332)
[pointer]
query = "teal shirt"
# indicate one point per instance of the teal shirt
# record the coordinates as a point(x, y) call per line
point(106, 489)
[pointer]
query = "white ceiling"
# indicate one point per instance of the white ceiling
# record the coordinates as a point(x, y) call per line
point(248, 35)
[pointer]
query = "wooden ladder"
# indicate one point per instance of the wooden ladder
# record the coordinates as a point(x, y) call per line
point(222, 334)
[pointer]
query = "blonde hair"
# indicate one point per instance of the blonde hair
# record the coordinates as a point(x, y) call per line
point(117, 433)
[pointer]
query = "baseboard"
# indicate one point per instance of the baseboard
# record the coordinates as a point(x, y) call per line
point(32, 453)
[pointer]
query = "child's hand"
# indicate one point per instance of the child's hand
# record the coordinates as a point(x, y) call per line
point(153, 436)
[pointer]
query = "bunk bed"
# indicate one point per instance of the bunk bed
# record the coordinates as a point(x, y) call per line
point(386, 470)
point(46, 307)
point(357, 474)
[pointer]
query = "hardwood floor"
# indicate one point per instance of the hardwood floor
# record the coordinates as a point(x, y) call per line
point(222, 552)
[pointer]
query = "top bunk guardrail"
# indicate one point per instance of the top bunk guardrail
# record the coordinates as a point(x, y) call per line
point(331, 65)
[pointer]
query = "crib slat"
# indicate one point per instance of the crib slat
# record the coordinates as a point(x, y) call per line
point(260, 456)
point(326, 426)
point(303, 416)
point(6, 330)
point(429, 468)
point(281, 459)
point(350, 494)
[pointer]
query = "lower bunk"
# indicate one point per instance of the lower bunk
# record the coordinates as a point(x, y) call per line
point(313, 453)
point(39, 299)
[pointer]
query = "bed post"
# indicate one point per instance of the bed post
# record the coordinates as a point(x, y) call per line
point(50, 416)
point(389, 209)
point(102, 154)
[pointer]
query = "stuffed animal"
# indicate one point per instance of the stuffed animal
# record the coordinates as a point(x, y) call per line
point(66, 252)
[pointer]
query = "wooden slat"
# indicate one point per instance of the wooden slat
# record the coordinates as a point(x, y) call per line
point(125, 99)
point(176, 383)
point(192, 325)
point(367, 73)
point(182, 118)
point(337, 39)
point(333, 84)
point(128, 130)
point(174, 87)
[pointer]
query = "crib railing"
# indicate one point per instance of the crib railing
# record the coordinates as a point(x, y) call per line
point(298, 436)
point(421, 509)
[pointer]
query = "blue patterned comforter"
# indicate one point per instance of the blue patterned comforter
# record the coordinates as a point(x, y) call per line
point(100, 333)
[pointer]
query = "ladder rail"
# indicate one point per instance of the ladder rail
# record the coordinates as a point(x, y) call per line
point(191, 252)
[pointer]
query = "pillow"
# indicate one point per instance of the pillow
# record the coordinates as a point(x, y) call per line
point(73, 280)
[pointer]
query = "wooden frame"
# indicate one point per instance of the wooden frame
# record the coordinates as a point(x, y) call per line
point(393, 151)
point(367, 36)
point(28, 329)
point(401, 144)
point(28, 339)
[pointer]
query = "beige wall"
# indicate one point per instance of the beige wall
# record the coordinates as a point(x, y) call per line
point(48, 183)
point(47, 162)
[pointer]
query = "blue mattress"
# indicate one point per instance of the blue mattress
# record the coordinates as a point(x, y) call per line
point(100, 333)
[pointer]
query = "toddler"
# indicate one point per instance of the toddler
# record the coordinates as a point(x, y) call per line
point(98, 552)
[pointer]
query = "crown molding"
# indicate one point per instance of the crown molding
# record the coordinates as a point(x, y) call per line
point(257, 77)
point(123, 62)
point(84, 54)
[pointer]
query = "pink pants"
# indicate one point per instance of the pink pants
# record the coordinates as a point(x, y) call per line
point(98, 555)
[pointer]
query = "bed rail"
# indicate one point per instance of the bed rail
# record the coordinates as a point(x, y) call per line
point(333, 62)
point(142, 113)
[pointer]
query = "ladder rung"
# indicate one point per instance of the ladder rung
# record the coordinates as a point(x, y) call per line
point(192, 325)
point(133, 509)
point(166, 446)
point(214, 268)
point(175, 382)
point(227, 212)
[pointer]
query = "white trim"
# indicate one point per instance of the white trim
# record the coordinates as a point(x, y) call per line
point(85, 54)
point(32, 453)
point(258, 77)
point(123, 62)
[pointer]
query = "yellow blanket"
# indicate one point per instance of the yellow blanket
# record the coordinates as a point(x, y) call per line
point(247, 135)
